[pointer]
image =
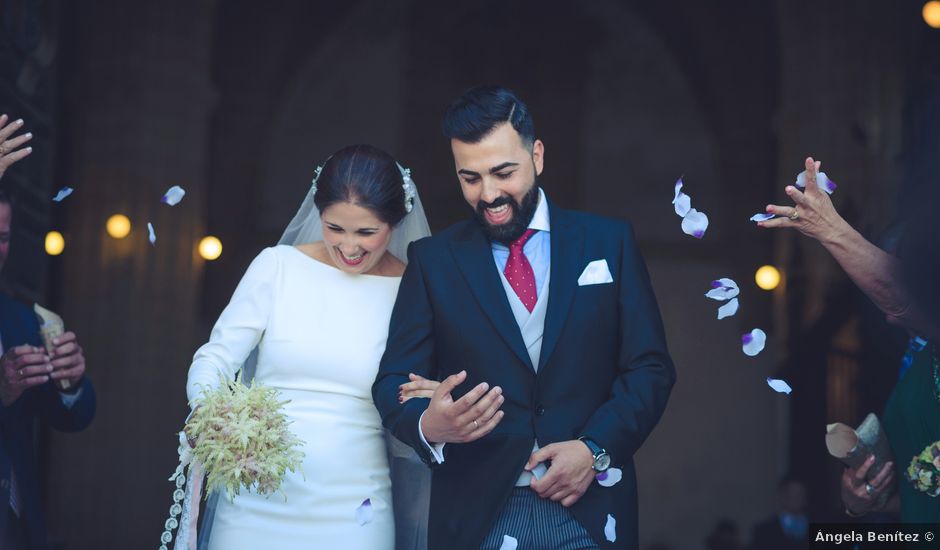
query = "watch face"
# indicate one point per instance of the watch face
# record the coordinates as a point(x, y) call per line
point(602, 462)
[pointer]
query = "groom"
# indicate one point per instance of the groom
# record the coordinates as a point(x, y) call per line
point(542, 325)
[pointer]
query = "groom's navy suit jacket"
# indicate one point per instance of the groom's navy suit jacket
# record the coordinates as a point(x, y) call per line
point(18, 327)
point(604, 371)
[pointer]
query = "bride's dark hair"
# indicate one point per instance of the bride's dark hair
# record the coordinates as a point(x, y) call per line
point(366, 176)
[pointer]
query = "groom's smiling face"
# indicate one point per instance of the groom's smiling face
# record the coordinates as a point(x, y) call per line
point(498, 180)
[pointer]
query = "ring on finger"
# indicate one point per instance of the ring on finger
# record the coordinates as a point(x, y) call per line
point(794, 216)
point(869, 488)
point(476, 425)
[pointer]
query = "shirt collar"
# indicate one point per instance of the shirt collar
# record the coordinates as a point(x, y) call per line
point(540, 221)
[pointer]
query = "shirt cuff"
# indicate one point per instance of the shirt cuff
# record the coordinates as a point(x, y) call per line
point(69, 399)
point(437, 450)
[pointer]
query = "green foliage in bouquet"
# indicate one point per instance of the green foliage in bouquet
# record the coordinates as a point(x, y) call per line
point(242, 438)
point(924, 471)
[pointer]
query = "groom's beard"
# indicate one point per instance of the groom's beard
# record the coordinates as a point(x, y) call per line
point(521, 216)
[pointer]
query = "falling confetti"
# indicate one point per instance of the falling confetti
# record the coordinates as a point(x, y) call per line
point(762, 217)
point(610, 477)
point(153, 235)
point(753, 342)
point(822, 181)
point(723, 289)
point(509, 543)
point(610, 530)
point(64, 192)
point(174, 195)
point(779, 386)
point(364, 513)
point(728, 309)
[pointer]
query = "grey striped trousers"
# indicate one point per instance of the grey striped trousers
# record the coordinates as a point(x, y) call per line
point(537, 524)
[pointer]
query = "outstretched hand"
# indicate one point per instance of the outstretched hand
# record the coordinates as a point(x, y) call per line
point(467, 419)
point(10, 151)
point(812, 213)
point(569, 475)
point(418, 386)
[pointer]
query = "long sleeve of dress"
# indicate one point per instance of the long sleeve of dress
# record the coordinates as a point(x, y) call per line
point(239, 328)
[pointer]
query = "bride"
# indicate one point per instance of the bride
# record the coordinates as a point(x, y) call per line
point(313, 313)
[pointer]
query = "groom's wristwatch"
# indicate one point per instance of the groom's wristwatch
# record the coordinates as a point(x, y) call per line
point(601, 458)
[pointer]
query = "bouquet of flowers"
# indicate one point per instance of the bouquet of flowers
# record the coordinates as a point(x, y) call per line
point(240, 438)
point(924, 471)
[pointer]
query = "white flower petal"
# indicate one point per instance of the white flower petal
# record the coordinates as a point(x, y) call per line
point(174, 195)
point(762, 217)
point(723, 289)
point(610, 477)
point(683, 204)
point(509, 543)
point(678, 188)
point(753, 342)
point(64, 192)
point(610, 530)
point(695, 223)
point(364, 513)
point(822, 181)
point(779, 386)
point(153, 235)
point(728, 309)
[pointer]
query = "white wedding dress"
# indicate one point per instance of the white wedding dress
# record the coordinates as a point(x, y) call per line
point(320, 335)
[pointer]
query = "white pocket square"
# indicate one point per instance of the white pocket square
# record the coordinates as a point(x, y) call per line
point(596, 273)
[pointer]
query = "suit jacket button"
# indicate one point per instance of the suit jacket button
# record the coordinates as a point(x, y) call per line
point(539, 410)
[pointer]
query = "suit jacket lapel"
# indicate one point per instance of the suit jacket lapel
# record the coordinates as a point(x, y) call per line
point(474, 257)
point(567, 245)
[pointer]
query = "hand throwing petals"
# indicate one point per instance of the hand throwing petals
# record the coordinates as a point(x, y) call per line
point(365, 513)
point(695, 223)
point(728, 309)
point(509, 543)
point(610, 530)
point(723, 289)
point(762, 217)
point(822, 181)
point(610, 477)
point(64, 192)
point(174, 195)
point(779, 386)
point(753, 342)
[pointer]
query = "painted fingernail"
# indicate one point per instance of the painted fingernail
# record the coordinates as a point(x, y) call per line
point(29, 134)
point(19, 121)
point(49, 368)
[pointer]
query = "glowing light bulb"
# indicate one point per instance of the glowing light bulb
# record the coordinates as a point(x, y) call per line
point(118, 226)
point(931, 13)
point(55, 243)
point(210, 248)
point(767, 277)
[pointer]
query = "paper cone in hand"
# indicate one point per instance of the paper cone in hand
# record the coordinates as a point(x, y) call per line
point(51, 326)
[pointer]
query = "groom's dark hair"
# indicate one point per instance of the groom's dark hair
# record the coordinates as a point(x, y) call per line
point(480, 110)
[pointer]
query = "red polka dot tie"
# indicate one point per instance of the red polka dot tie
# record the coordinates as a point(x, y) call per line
point(519, 272)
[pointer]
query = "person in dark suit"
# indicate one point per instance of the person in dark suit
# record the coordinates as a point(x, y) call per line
point(543, 327)
point(28, 389)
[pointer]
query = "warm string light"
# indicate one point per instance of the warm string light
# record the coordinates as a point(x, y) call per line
point(55, 243)
point(767, 277)
point(118, 226)
point(931, 13)
point(210, 248)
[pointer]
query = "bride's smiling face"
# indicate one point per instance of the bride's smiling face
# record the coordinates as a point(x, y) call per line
point(356, 239)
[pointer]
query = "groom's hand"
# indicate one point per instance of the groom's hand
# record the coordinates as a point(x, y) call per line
point(466, 419)
point(570, 474)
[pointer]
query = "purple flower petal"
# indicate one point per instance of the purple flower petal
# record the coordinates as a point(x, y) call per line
point(762, 217)
point(64, 192)
point(174, 195)
point(610, 477)
point(822, 181)
point(152, 234)
point(695, 223)
point(753, 343)
point(610, 529)
point(723, 289)
point(364, 513)
point(728, 309)
point(509, 543)
point(779, 386)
